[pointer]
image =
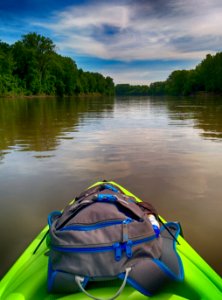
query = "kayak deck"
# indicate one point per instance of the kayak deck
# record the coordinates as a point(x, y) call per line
point(27, 279)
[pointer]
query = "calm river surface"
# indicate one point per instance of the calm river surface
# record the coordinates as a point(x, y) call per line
point(166, 151)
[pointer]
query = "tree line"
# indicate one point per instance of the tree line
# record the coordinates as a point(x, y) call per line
point(31, 66)
point(131, 90)
point(206, 77)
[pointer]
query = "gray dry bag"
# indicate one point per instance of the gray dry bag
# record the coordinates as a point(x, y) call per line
point(106, 235)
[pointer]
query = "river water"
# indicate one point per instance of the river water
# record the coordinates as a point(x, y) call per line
point(165, 150)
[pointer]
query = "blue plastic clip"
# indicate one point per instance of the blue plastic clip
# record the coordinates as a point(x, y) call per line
point(156, 230)
point(128, 247)
point(118, 251)
point(128, 220)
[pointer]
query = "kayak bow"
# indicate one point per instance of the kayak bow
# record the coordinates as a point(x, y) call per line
point(27, 279)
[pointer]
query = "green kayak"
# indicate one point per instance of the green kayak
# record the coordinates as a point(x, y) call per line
point(27, 279)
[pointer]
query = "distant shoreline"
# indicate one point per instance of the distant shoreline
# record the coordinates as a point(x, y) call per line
point(42, 96)
point(51, 96)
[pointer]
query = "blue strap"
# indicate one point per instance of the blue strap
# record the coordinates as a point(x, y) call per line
point(110, 187)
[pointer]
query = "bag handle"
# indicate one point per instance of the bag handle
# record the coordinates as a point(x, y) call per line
point(118, 199)
point(79, 280)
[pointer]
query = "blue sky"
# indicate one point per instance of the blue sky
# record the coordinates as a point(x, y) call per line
point(133, 41)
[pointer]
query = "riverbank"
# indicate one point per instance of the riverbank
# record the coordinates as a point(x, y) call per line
point(81, 95)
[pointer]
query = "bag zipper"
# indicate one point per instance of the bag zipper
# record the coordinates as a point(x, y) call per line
point(98, 225)
point(117, 247)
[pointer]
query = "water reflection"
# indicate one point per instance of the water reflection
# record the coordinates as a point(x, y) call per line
point(41, 124)
point(204, 111)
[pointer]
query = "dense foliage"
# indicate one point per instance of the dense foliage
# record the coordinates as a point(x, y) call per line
point(31, 66)
point(206, 77)
point(129, 90)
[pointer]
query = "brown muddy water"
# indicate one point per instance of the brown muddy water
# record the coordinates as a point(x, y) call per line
point(165, 150)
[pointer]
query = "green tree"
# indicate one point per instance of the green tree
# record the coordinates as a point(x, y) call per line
point(6, 59)
point(32, 56)
point(32, 66)
point(157, 88)
point(42, 48)
point(8, 82)
point(175, 84)
point(131, 90)
point(109, 87)
point(209, 73)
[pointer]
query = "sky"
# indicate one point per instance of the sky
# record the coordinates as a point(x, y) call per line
point(132, 41)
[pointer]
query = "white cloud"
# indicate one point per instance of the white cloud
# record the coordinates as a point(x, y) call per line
point(138, 31)
point(95, 15)
point(83, 29)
